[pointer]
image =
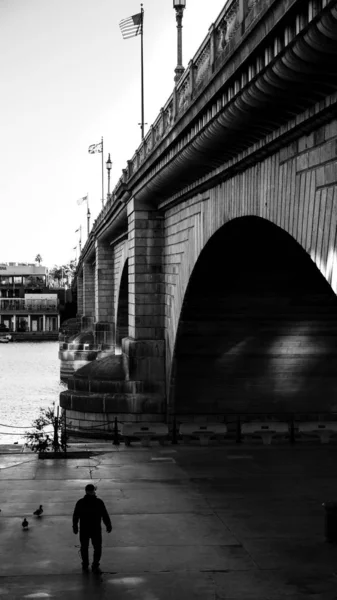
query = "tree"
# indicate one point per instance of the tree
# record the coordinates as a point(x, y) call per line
point(39, 440)
point(60, 274)
point(38, 259)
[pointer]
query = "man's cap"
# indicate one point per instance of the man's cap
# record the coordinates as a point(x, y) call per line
point(90, 488)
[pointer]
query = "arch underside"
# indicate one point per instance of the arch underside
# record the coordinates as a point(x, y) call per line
point(301, 75)
point(122, 322)
point(258, 327)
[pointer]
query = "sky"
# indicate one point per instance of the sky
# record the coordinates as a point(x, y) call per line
point(69, 78)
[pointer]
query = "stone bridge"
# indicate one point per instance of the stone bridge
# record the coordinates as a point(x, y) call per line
point(208, 282)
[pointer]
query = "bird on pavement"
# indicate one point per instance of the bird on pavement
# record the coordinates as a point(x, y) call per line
point(38, 512)
point(25, 523)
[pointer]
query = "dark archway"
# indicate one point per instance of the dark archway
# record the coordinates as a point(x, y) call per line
point(258, 327)
point(122, 325)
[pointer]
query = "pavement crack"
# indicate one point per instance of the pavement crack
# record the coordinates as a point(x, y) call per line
point(19, 464)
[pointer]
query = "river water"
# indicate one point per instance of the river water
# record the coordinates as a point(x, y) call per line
point(29, 379)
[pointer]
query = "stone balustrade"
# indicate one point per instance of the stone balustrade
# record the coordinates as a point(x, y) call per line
point(222, 37)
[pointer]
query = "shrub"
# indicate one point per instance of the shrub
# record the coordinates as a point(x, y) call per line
point(39, 441)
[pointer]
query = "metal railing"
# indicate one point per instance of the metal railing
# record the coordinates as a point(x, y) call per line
point(21, 304)
point(233, 421)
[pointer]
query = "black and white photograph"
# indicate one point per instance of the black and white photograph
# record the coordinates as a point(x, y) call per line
point(168, 299)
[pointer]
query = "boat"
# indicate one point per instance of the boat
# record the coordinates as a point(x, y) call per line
point(5, 339)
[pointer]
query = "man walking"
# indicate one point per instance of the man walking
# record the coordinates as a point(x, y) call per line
point(89, 510)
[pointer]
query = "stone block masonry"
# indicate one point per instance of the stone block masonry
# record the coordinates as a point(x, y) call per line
point(144, 346)
point(80, 294)
point(145, 229)
point(88, 289)
point(104, 293)
point(104, 283)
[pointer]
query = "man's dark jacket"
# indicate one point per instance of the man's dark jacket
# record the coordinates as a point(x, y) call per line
point(89, 510)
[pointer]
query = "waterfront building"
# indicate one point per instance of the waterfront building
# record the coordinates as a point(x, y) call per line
point(28, 309)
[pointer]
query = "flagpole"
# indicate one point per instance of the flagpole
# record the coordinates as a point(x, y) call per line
point(102, 175)
point(142, 68)
point(88, 213)
point(80, 240)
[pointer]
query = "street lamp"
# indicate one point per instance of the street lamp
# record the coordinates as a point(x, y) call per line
point(108, 167)
point(179, 6)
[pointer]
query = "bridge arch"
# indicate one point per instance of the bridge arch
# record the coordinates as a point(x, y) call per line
point(258, 326)
point(122, 306)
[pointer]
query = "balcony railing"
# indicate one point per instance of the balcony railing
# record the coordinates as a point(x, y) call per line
point(20, 304)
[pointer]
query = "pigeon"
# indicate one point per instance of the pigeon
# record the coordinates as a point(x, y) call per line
point(38, 512)
point(25, 523)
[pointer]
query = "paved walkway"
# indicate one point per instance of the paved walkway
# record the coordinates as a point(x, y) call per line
point(189, 522)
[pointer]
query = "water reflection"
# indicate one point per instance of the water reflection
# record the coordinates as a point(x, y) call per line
point(29, 380)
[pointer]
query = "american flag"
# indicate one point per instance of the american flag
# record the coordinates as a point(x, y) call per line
point(132, 26)
point(94, 148)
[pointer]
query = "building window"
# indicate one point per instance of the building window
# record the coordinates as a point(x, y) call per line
point(34, 281)
point(23, 324)
point(5, 280)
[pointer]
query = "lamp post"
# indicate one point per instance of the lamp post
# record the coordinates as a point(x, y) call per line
point(179, 6)
point(108, 167)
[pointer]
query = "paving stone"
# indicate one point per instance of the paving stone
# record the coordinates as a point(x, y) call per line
point(195, 528)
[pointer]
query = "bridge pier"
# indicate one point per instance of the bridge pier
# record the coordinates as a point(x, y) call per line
point(146, 279)
point(79, 294)
point(145, 362)
point(130, 386)
point(104, 289)
point(145, 347)
point(88, 289)
point(95, 309)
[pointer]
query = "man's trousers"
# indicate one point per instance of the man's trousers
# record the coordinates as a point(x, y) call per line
point(95, 535)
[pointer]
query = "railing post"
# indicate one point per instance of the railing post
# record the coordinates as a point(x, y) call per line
point(175, 103)
point(56, 423)
point(115, 436)
point(160, 132)
point(242, 14)
point(65, 430)
point(212, 45)
point(191, 68)
point(130, 166)
point(153, 139)
point(125, 175)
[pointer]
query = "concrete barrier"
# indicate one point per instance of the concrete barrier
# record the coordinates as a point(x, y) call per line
point(265, 429)
point(145, 432)
point(323, 429)
point(202, 431)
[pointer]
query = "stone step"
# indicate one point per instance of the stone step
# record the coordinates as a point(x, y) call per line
point(122, 402)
